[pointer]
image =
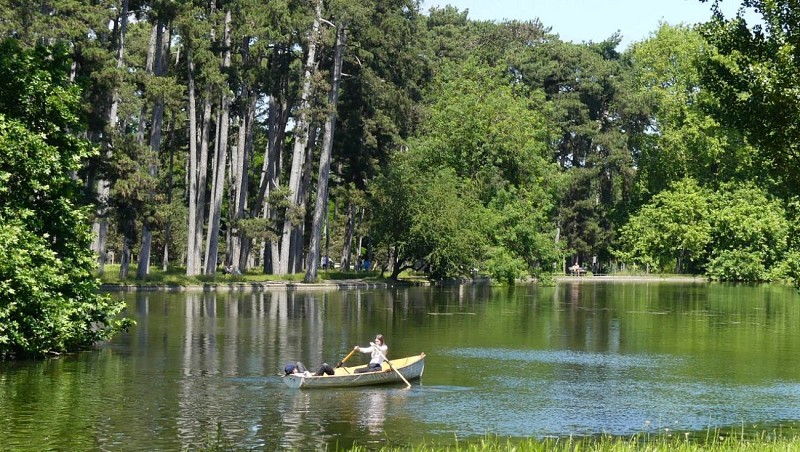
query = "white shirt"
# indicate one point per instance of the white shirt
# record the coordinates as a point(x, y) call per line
point(376, 352)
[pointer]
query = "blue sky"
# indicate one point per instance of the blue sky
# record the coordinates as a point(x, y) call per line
point(587, 20)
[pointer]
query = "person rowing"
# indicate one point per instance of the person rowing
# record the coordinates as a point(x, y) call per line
point(378, 350)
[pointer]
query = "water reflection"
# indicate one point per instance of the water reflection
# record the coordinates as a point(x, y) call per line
point(373, 409)
point(526, 361)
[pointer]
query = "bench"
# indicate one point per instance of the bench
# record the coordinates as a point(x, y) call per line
point(577, 271)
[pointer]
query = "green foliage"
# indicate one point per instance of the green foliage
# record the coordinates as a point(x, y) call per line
point(450, 224)
point(479, 126)
point(750, 235)
point(476, 176)
point(789, 268)
point(755, 77)
point(736, 265)
point(598, 121)
point(504, 267)
point(529, 135)
point(50, 302)
point(430, 220)
point(523, 228)
point(735, 234)
point(673, 230)
point(686, 140)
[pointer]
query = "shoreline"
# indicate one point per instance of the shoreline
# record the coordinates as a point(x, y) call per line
point(249, 286)
point(349, 284)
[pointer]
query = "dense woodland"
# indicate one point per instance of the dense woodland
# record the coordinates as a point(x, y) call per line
point(263, 135)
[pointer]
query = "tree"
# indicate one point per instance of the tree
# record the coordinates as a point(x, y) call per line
point(377, 109)
point(750, 235)
point(671, 232)
point(302, 131)
point(321, 206)
point(737, 233)
point(427, 219)
point(683, 140)
point(756, 78)
point(486, 142)
point(50, 302)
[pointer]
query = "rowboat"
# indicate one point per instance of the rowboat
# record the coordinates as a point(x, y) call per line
point(410, 367)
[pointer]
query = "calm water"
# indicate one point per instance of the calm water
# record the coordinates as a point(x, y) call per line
point(576, 359)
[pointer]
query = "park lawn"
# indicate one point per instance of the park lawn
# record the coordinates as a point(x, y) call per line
point(176, 276)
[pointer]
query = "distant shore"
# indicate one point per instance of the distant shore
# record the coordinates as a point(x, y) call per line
point(358, 283)
point(633, 278)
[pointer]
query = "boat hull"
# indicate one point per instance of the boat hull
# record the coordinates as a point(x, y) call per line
point(345, 377)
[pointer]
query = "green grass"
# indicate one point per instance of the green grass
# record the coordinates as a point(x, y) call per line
point(716, 441)
point(176, 276)
point(636, 443)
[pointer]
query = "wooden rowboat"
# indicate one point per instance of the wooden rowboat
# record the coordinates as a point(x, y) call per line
point(410, 367)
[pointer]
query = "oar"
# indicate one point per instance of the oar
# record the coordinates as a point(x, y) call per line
point(345, 358)
point(390, 364)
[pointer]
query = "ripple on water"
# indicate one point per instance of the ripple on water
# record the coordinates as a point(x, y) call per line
point(565, 357)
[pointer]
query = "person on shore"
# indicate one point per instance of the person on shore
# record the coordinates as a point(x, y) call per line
point(378, 351)
point(299, 368)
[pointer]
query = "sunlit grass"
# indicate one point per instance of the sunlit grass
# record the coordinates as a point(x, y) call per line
point(683, 443)
point(176, 276)
point(669, 441)
point(679, 442)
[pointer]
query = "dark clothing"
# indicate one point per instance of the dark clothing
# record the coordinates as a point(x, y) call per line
point(325, 369)
point(371, 367)
point(299, 368)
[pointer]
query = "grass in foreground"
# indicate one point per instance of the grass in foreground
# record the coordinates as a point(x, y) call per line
point(712, 441)
point(636, 443)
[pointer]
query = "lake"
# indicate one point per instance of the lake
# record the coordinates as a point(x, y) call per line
point(581, 358)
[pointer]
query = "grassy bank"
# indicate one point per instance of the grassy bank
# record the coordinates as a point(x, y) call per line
point(681, 442)
point(176, 276)
point(611, 444)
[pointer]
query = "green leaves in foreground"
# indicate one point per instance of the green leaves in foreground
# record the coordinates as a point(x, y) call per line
point(48, 296)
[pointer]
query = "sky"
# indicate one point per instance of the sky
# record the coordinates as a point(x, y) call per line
point(592, 20)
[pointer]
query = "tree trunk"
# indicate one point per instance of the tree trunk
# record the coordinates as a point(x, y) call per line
point(127, 243)
point(242, 199)
point(191, 237)
point(100, 226)
point(125, 259)
point(151, 50)
point(148, 68)
point(214, 182)
point(279, 117)
point(301, 138)
point(298, 233)
point(344, 263)
point(202, 181)
point(240, 251)
point(321, 207)
point(199, 176)
point(162, 52)
point(168, 229)
point(215, 210)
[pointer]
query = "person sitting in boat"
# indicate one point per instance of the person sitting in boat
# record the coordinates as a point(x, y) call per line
point(299, 368)
point(378, 350)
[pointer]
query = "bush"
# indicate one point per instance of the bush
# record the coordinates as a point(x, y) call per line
point(50, 301)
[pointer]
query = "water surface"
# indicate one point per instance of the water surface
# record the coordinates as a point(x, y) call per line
point(575, 359)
